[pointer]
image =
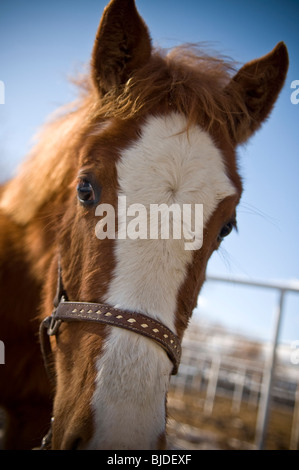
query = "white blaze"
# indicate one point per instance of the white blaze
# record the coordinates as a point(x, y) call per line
point(166, 165)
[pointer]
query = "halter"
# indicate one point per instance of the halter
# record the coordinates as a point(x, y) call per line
point(65, 311)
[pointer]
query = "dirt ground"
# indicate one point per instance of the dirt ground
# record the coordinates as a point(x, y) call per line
point(190, 428)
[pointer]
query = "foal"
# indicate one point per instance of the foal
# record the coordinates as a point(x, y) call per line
point(149, 129)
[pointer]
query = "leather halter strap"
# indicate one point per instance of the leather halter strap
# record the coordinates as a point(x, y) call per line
point(105, 314)
point(66, 311)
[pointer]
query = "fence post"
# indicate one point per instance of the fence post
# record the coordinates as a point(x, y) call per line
point(263, 412)
point(212, 385)
point(238, 390)
point(294, 444)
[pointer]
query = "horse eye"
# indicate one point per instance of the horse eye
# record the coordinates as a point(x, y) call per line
point(226, 230)
point(86, 193)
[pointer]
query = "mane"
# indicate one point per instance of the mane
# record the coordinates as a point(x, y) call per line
point(185, 79)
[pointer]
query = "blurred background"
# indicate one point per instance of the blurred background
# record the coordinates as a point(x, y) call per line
point(226, 364)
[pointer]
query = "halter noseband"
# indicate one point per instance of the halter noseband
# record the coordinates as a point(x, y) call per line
point(66, 311)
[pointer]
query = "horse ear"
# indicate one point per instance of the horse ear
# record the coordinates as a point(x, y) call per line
point(254, 90)
point(122, 45)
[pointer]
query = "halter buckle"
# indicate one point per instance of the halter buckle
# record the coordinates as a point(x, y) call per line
point(53, 325)
point(47, 439)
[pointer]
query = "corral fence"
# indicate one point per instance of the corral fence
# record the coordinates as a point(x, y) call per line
point(243, 380)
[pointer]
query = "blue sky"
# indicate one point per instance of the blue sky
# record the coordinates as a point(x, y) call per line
point(43, 43)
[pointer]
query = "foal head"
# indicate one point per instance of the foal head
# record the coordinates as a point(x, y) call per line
point(151, 129)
